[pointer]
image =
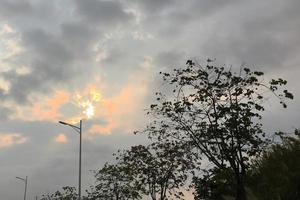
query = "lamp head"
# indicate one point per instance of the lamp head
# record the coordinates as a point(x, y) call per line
point(61, 122)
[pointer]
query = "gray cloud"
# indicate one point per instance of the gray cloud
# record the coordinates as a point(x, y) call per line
point(60, 53)
point(51, 165)
point(153, 7)
point(59, 40)
point(103, 13)
point(79, 38)
point(5, 113)
point(46, 47)
point(10, 8)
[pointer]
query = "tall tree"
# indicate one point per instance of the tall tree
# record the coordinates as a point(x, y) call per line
point(218, 112)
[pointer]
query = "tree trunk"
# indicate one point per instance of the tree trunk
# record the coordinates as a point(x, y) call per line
point(240, 189)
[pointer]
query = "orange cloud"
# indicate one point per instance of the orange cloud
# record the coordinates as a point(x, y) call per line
point(10, 139)
point(61, 138)
point(102, 130)
point(49, 109)
point(120, 110)
point(124, 110)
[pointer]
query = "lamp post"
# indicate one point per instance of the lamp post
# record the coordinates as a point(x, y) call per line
point(25, 181)
point(78, 130)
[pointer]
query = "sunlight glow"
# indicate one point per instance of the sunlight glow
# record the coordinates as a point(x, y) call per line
point(89, 109)
point(87, 102)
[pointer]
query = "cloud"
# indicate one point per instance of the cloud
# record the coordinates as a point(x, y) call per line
point(10, 47)
point(101, 12)
point(5, 113)
point(152, 7)
point(79, 38)
point(9, 8)
point(50, 51)
point(10, 139)
point(50, 63)
point(61, 138)
point(49, 108)
point(124, 110)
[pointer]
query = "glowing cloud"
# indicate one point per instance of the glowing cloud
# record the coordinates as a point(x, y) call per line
point(9, 139)
point(86, 101)
point(124, 110)
point(61, 138)
point(49, 109)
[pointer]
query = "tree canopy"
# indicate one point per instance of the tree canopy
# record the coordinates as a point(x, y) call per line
point(218, 112)
point(276, 174)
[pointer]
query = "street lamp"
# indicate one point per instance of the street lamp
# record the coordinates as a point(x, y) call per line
point(78, 130)
point(25, 181)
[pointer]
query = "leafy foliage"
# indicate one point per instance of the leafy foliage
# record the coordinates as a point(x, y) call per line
point(215, 186)
point(67, 193)
point(276, 174)
point(218, 112)
point(114, 182)
point(159, 170)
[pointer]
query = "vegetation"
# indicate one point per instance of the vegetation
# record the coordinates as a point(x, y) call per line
point(114, 182)
point(214, 116)
point(218, 112)
point(67, 193)
point(276, 174)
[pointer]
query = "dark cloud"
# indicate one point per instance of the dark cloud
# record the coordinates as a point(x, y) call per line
point(103, 13)
point(11, 8)
point(79, 38)
point(267, 39)
point(5, 113)
point(41, 79)
point(46, 46)
point(153, 7)
point(52, 62)
point(170, 59)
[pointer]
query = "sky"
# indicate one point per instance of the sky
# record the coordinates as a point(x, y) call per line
point(98, 60)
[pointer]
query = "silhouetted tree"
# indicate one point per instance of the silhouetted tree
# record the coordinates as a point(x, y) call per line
point(214, 185)
point(67, 193)
point(160, 171)
point(114, 182)
point(276, 175)
point(218, 112)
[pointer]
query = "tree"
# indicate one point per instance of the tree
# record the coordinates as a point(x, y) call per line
point(160, 171)
point(67, 193)
point(114, 182)
point(276, 174)
point(218, 112)
point(214, 186)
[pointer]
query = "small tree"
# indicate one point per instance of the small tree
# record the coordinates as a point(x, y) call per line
point(67, 193)
point(114, 182)
point(159, 170)
point(218, 112)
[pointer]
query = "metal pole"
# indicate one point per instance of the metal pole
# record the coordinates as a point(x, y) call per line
point(78, 129)
point(25, 188)
point(79, 181)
